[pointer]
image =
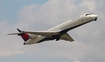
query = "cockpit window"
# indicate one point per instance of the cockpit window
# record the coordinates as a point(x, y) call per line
point(88, 14)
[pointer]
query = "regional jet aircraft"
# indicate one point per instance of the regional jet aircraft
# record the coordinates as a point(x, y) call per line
point(58, 32)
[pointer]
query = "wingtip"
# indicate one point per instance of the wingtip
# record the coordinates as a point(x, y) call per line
point(15, 33)
point(10, 34)
point(18, 29)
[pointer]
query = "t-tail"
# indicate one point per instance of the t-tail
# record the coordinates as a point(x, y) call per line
point(25, 36)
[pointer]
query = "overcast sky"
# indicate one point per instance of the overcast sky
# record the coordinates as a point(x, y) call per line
point(39, 15)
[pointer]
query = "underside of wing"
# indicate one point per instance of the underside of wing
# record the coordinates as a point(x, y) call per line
point(67, 37)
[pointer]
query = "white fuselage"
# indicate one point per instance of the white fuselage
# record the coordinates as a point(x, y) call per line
point(71, 24)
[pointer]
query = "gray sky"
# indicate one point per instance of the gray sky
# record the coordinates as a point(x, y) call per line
point(37, 15)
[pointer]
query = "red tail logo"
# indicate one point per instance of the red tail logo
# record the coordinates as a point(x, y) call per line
point(25, 36)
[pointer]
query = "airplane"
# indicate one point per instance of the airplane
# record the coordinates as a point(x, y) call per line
point(59, 32)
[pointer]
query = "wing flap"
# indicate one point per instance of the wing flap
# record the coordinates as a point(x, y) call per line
point(67, 37)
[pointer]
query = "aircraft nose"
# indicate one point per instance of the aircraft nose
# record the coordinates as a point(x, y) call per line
point(94, 17)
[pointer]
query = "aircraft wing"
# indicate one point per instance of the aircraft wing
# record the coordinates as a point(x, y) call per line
point(42, 33)
point(15, 33)
point(67, 37)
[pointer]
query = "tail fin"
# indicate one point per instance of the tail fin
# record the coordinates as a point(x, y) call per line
point(25, 36)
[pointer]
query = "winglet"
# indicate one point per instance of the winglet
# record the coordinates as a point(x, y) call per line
point(19, 30)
